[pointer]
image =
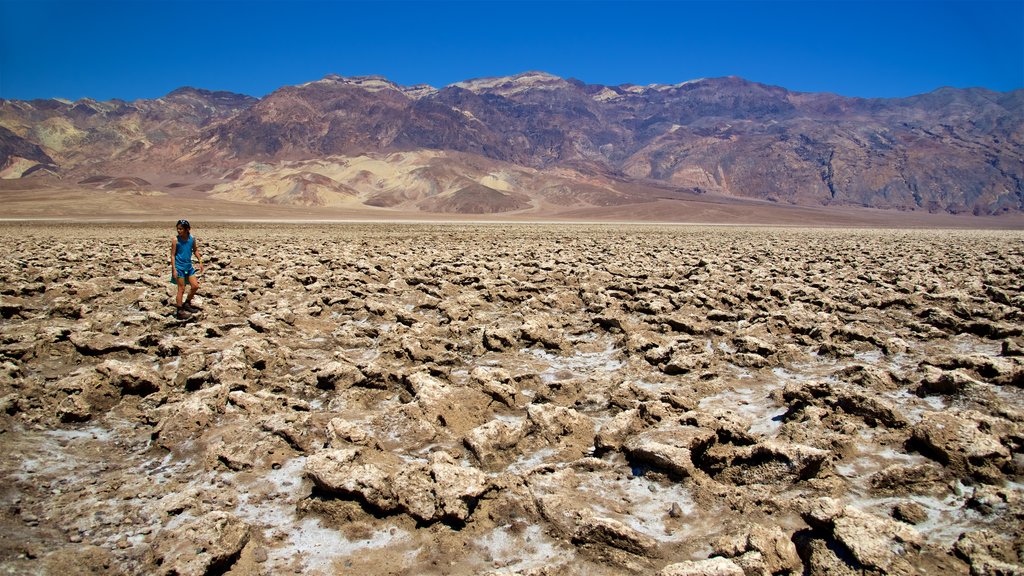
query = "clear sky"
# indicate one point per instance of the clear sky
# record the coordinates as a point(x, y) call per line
point(132, 49)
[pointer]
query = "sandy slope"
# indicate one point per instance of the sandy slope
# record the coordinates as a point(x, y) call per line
point(32, 200)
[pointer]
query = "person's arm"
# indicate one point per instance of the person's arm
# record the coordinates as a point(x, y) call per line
point(174, 269)
point(195, 250)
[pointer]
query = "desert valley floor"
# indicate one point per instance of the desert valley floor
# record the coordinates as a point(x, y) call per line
point(512, 399)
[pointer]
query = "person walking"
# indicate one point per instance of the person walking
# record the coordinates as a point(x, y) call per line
point(182, 271)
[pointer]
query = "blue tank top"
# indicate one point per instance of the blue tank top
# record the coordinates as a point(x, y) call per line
point(183, 255)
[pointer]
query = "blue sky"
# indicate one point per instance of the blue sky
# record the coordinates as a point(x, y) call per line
point(146, 48)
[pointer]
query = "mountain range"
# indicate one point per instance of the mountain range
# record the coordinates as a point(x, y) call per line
point(532, 142)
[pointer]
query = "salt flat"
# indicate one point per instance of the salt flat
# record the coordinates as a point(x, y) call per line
point(512, 399)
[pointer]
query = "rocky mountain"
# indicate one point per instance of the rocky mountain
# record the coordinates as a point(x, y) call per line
point(951, 150)
point(85, 137)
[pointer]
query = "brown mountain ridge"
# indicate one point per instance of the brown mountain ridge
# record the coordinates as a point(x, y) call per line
point(520, 143)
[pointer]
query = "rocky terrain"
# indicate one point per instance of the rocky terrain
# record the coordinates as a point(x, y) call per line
point(532, 142)
point(498, 399)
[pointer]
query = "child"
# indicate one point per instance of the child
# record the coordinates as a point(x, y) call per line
point(184, 246)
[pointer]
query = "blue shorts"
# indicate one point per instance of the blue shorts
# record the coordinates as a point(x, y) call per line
point(185, 274)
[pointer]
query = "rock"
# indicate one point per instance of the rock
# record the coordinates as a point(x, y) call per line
point(496, 383)
point(995, 500)
point(184, 420)
point(827, 557)
point(910, 512)
point(538, 331)
point(130, 378)
point(499, 339)
point(297, 429)
point(940, 319)
point(767, 462)
point(66, 308)
point(777, 550)
point(675, 511)
point(341, 430)
point(262, 323)
point(937, 381)
point(441, 490)
point(1012, 347)
point(873, 410)
point(989, 554)
point(259, 555)
point(455, 487)
point(685, 324)
point(753, 345)
point(684, 362)
point(427, 389)
point(74, 408)
point(553, 422)
point(876, 543)
point(504, 393)
point(961, 446)
point(438, 490)
point(609, 321)
point(761, 550)
point(606, 531)
point(11, 306)
point(670, 449)
point(927, 478)
point(96, 344)
point(994, 369)
point(10, 404)
point(336, 472)
point(749, 360)
point(492, 442)
point(820, 512)
point(232, 369)
point(716, 566)
point(197, 547)
point(616, 431)
point(338, 376)
point(856, 332)
point(424, 349)
point(867, 377)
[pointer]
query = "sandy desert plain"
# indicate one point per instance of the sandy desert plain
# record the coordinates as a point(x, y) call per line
point(371, 398)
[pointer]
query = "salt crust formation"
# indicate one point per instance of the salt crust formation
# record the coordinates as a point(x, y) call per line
point(512, 399)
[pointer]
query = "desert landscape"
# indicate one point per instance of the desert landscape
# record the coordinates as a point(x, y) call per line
point(511, 398)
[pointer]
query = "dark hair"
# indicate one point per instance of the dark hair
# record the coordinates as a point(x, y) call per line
point(184, 223)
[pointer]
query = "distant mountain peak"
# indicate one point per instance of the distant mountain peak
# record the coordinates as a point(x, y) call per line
point(375, 83)
point(510, 85)
point(187, 91)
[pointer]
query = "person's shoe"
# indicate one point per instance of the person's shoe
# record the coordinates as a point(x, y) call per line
point(188, 307)
point(182, 314)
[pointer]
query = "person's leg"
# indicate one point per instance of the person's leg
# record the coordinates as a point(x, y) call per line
point(193, 284)
point(181, 291)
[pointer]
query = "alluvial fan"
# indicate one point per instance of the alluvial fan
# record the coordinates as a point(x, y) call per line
point(512, 399)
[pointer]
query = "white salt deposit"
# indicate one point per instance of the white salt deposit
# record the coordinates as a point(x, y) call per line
point(317, 548)
point(948, 517)
point(580, 364)
point(523, 550)
point(913, 407)
point(753, 404)
point(971, 344)
point(528, 462)
point(655, 387)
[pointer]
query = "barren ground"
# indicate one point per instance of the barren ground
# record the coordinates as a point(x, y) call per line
point(28, 199)
point(512, 399)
